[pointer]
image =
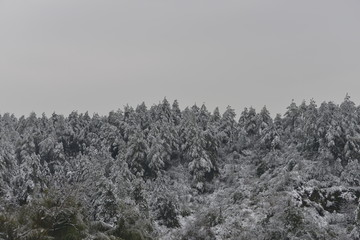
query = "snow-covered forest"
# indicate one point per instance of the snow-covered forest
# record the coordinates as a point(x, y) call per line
point(160, 172)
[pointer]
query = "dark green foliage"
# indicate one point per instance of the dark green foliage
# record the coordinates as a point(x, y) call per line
point(294, 219)
point(52, 217)
point(8, 226)
point(275, 235)
point(237, 197)
point(133, 226)
point(213, 217)
point(59, 216)
point(261, 169)
point(123, 231)
point(138, 194)
point(167, 213)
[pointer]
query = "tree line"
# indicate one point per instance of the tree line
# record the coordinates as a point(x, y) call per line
point(106, 161)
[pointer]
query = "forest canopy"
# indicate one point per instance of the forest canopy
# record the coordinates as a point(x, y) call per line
point(166, 173)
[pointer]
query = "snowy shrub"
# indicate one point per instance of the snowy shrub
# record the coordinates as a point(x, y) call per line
point(212, 218)
point(202, 227)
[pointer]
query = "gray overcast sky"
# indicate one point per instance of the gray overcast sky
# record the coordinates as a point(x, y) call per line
point(64, 55)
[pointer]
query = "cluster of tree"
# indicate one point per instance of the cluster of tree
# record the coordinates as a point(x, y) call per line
point(141, 173)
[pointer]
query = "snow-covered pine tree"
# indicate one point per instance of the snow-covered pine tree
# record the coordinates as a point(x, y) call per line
point(266, 130)
point(201, 165)
point(270, 138)
point(161, 112)
point(331, 142)
point(176, 113)
point(350, 129)
point(159, 153)
point(264, 119)
point(115, 118)
point(8, 168)
point(142, 117)
point(203, 117)
point(251, 123)
point(308, 138)
point(128, 126)
point(137, 151)
point(227, 130)
point(291, 119)
point(216, 117)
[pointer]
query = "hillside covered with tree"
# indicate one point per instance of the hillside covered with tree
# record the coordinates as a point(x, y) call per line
point(165, 173)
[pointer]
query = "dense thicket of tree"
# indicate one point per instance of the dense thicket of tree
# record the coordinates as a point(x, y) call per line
point(163, 173)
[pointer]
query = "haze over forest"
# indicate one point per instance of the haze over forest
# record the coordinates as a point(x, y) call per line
point(97, 56)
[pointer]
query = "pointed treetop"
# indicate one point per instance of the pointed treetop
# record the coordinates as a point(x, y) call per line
point(252, 111)
point(347, 97)
point(141, 108)
point(245, 111)
point(175, 104)
point(312, 102)
point(292, 109)
point(195, 108)
point(203, 108)
point(215, 117)
point(165, 103)
point(229, 113)
point(303, 106)
point(265, 115)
